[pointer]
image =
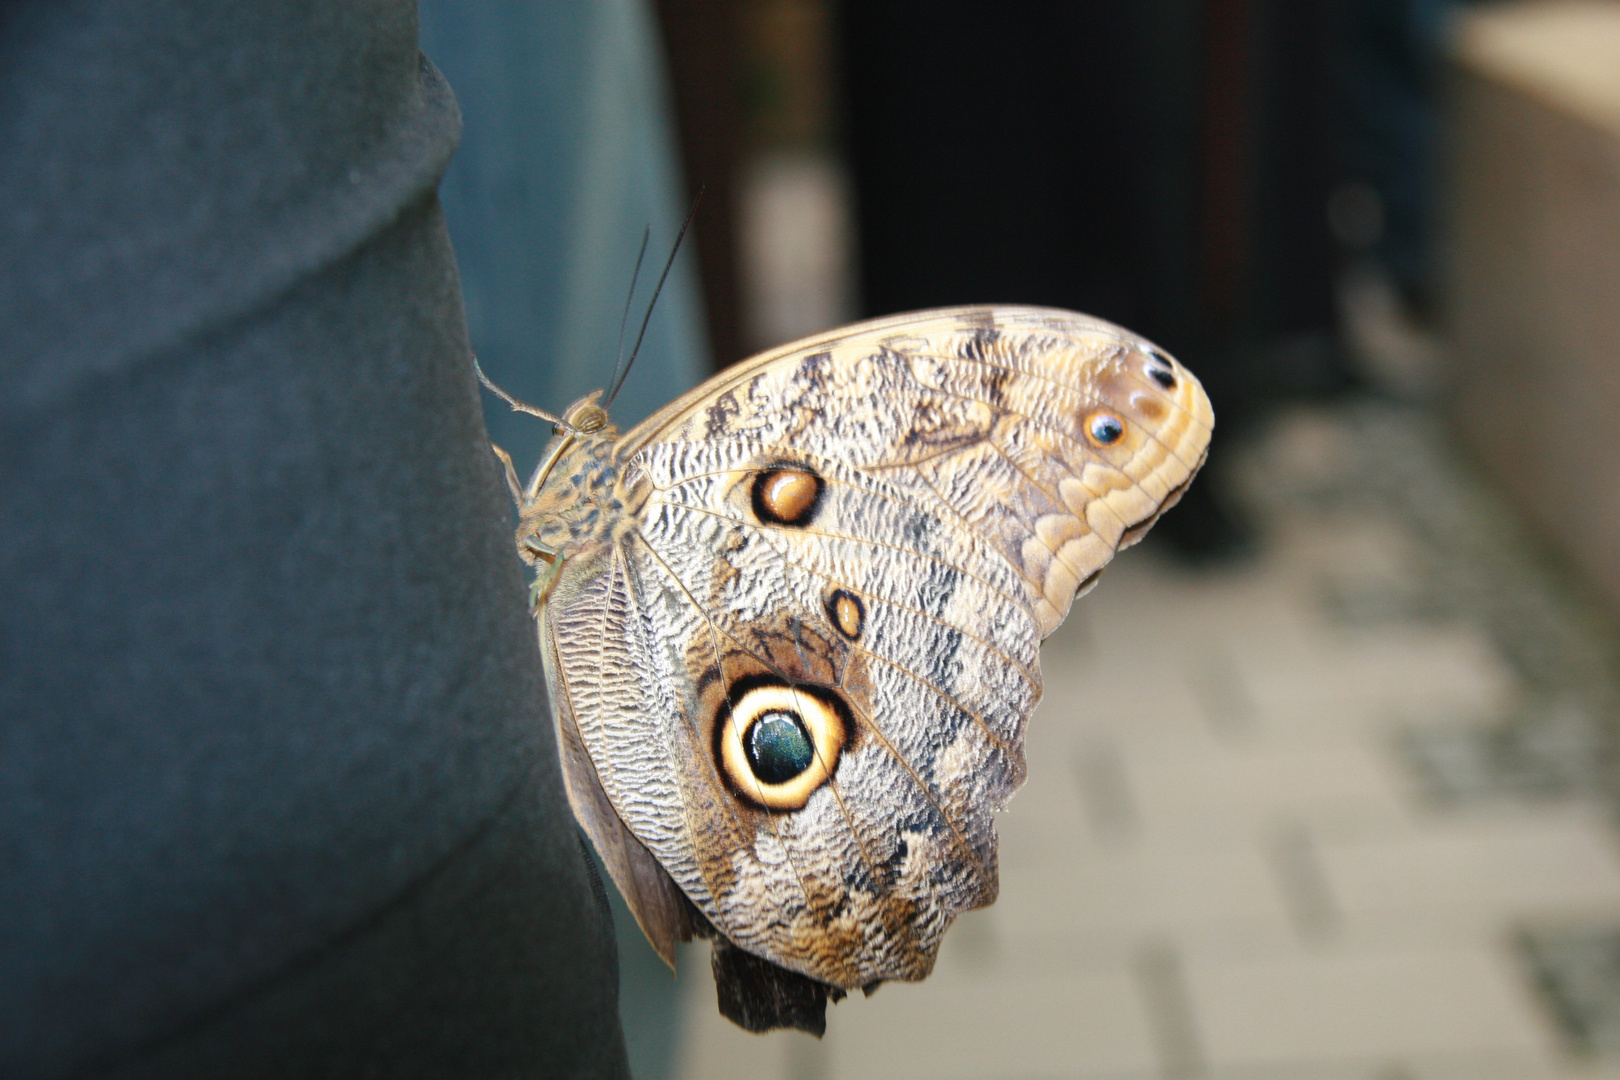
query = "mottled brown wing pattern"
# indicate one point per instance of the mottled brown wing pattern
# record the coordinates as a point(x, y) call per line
point(864, 876)
point(881, 524)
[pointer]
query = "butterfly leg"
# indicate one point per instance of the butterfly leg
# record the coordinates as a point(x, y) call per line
point(540, 587)
point(511, 474)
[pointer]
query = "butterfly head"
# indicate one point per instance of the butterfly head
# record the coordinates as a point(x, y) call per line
point(582, 434)
point(585, 416)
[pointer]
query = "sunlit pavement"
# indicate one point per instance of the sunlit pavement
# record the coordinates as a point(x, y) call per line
point(1339, 812)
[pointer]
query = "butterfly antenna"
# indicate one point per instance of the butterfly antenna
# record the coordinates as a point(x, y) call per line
point(645, 319)
point(517, 406)
point(624, 316)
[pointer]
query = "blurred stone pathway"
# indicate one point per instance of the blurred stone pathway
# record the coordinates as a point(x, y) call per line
point(1339, 813)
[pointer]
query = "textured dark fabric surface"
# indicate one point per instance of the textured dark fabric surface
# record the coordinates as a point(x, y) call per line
point(277, 792)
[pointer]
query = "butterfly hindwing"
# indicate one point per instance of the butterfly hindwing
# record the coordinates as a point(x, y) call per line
point(803, 654)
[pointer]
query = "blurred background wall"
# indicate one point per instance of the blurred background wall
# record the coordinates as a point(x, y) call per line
point(1532, 273)
point(567, 155)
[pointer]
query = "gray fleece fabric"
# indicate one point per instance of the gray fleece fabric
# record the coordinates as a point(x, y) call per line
point(278, 793)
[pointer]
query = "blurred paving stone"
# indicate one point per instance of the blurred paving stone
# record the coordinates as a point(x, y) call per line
point(1456, 1066)
point(1551, 750)
point(1367, 682)
point(1247, 789)
point(1509, 867)
point(1577, 969)
point(1119, 894)
point(1089, 1023)
point(1371, 1008)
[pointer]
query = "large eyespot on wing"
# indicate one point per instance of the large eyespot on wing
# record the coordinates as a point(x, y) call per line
point(778, 743)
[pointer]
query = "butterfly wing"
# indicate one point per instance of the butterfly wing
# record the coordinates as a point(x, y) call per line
point(814, 647)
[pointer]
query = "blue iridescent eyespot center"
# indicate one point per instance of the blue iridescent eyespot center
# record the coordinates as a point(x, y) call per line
point(778, 747)
point(1106, 428)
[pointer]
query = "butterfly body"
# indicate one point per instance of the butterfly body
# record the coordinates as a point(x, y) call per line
point(791, 623)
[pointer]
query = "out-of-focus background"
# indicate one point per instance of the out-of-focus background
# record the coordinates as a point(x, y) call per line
point(1323, 785)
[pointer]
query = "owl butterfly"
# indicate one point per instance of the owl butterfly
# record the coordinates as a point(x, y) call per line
point(791, 624)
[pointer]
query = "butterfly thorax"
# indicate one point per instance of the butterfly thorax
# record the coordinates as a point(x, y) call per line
point(582, 502)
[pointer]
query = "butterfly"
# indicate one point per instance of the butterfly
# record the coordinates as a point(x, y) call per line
point(791, 624)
